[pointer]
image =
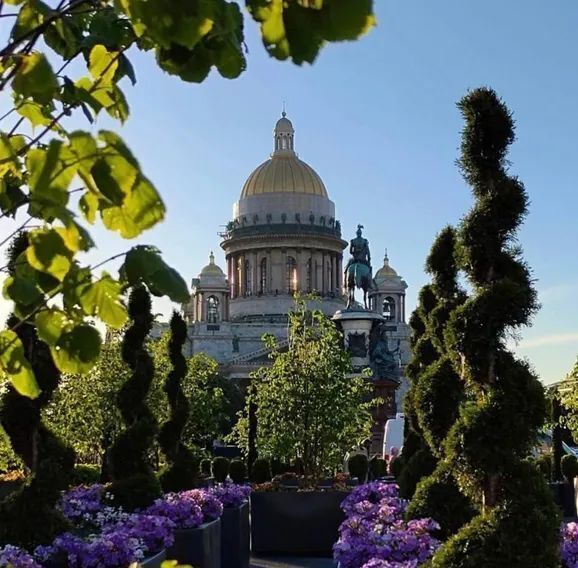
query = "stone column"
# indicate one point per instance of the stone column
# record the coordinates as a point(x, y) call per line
point(323, 273)
point(283, 289)
point(243, 276)
point(333, 273)
point(268, 280)
point(300, 271)
point(202, 301)
point(255, 283)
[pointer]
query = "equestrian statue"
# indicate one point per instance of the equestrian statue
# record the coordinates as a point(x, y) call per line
point(357, 273)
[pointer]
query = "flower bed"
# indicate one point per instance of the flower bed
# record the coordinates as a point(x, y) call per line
point(104, 536)
point(374, 534)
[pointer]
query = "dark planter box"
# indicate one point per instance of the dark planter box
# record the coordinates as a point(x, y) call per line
point(235, 545)
point(154, 561)
point(563, 493)
point(200, 547)
point(296, 523)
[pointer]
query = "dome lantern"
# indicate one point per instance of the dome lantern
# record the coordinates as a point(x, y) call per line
point(284, 134)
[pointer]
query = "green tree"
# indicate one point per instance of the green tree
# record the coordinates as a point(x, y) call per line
point(183, 466)
point(309, 407)
point(505, 406)
point(41, 160)
point(134, 481)
point(29, 516)
point(437, 392)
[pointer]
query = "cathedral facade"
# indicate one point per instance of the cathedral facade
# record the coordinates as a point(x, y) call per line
point(284, 238)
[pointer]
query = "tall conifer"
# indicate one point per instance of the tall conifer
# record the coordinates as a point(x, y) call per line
point(183, 466)
point(505, 404)
point(134, 481)
point(29, 517)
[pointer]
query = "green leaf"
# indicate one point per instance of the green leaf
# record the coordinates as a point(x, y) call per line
point(84, 148)
point(103, 299)
point(21, 290)
point(102, 64)
point(16, 366)
point(89, 206)
point(64, 37)
point(143, 264)
point(51, 324)
point(9, 148)
point(50, 173)
point(48, 253)
point(77, 350)
point(75, 237)
point(35, 78)
point(347, 19)
point(37, 114)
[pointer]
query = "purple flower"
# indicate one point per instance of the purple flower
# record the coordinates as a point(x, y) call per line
point(231, 495)
point(153, 531)
point(112, 550)
point(210, 506)
point(374, 534)
point(184, 513)
point(569, 545)
point(81, 504)
point(17, 558)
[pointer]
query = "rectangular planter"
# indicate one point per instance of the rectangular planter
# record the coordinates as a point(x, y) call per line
point(235, 537)
point(295, 523)
point(154, 561)
point(200, 547)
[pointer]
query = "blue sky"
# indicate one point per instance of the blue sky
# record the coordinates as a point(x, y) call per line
point(377, 119)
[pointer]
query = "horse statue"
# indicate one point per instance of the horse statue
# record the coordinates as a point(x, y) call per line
point(357, 273)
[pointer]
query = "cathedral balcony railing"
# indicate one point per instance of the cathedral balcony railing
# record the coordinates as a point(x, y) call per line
point(270, 229)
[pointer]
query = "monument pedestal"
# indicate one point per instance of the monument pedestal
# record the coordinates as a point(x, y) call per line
point(359, 327)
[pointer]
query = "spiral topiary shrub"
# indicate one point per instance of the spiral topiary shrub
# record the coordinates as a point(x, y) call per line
point(377, 467)
point(569, 466)
point(504, 406)
point(238, 471)
point(183, 466)
point(220, 468)
point(28, 516)
point(358, 467)
point(261, 471)
point(206, 467)
point(134, 483)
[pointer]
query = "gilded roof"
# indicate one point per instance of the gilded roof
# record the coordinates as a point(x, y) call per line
point(212, 269)
point(386, 271)
point(284, 174)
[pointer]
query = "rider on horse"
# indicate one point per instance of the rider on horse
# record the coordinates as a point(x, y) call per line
point(357, 271)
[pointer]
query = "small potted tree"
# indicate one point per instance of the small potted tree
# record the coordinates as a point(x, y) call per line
point(310, 411)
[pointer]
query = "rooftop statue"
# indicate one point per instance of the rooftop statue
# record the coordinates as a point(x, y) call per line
point(357, 273)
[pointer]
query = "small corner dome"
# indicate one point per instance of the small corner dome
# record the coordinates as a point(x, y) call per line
point(211, 269)
point(386, 271)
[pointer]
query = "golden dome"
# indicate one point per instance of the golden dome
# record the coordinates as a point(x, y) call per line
point(284, 175)
point(284, 172)
point(386, 271)
point(212, 269)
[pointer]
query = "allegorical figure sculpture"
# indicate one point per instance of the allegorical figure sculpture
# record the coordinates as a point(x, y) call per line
point(357, 273)
point(384, 360)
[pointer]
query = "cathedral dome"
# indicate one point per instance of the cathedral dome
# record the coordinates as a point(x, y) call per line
point(386, 271)
point(284, 172)
point(284, 175)
point(211, 269)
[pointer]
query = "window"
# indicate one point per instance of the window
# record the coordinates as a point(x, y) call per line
point(389, 308)
point(291, 274)
point(263, 277)
point(212, 310)
point(247, 283)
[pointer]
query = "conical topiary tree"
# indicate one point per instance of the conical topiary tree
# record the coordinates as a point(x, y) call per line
point(134, 482)
point(437, 392)
point(416, 460)
point(505, 403)
point(28, 517)
point(183, 468)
